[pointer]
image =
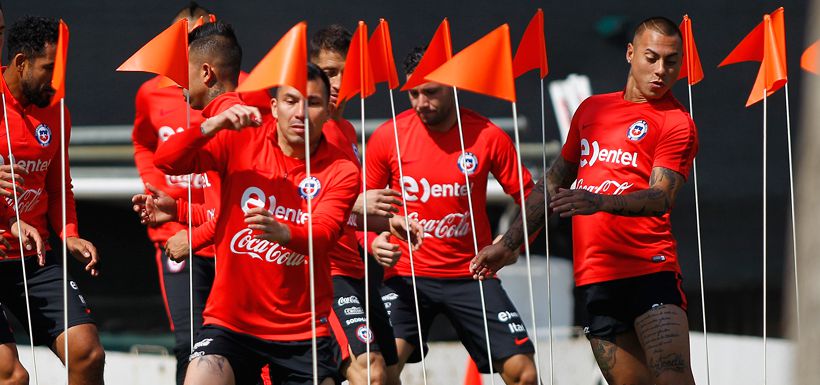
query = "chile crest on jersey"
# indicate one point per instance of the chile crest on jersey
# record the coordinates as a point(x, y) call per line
point(637, 130)
point(309, 187)
point(467, 163)
point(43, 134)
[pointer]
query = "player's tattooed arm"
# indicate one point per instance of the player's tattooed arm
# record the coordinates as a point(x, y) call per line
point(656, 200)
point(505, 250)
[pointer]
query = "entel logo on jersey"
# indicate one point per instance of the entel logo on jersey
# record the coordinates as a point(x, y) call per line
point(599, 154)
point(254, 197)
point(37, 165)
point(43, 134)
point(467, 162)
point(309, 187)
point(166, 132)
point(446, 190)
point(637, 130)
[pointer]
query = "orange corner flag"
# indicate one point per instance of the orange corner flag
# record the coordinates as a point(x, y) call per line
point(484, 67)
point(58, 78)
point(766, 44)
point(439, 51)
point(809, 58)
point(532, 50)
point(473, 376)
point(358, 76)
point(691, 68)
point(284, 64)
point(381, 56)
point(166, 55)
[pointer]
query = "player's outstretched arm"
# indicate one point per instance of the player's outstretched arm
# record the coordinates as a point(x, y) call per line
point(654, 201)
point(505, 252)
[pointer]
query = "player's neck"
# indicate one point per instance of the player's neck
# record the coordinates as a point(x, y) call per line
point(631, 92)
point(218, 90)
point(294, 150)
point(336, 113)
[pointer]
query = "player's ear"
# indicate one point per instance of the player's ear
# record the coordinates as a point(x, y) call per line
point(208, 74)
point(630, 50)
point(273, 108)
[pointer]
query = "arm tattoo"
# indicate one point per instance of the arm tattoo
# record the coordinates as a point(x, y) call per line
point(655, 201)
point(560, 174)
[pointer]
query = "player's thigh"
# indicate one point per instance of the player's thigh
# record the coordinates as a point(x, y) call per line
point(663, 333)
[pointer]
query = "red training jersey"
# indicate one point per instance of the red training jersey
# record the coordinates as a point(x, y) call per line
point(436, 193)
point(345, 259)
point(35, 146)
point(616, 143)
point(261, 287)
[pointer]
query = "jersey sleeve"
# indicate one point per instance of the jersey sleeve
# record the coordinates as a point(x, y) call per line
point(144, 137)
point(191, 152)
point(571, 151)
point(504, 167)
point(53, 185)
point(379, 148)
point(199, 214)
point(677, 147)
point(330, 214)
point(203, 235)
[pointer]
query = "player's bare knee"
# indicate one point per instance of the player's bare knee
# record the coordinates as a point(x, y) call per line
point(89, 359)
point(18, 376)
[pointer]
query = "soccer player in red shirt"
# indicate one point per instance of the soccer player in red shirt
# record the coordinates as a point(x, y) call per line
point(328, 50)
point(436, 196)
point(35, 127)
point(259, 309)
point(626, 156)
point(161, 113)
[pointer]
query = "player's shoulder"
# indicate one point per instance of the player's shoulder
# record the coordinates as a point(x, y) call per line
point(403, 121)
point(675, 114)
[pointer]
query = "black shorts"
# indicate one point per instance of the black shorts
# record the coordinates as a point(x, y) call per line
point(45, 288)
point(460, 301)
point(348, 295)
point(290, 363)
point(613, 306)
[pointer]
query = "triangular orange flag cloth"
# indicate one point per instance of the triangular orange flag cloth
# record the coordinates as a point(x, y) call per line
point(358, 75)
point(166, 55)
point(532, 50)
point(484, 67)
point(381, 56)
point(473, 376)
point(437, 53)
point(284, 64)
point(691, 68)
point(809, 58)
point(60, 59)
point(767, 44)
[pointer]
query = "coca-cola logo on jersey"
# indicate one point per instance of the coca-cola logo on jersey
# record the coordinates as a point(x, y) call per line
point(199, 181)
point(255, 197)
point(605, 155)
point(453, 225)
point(609, 187)
point(244, 243)
point(26, 201)
point(166, 132)
point(422, 190)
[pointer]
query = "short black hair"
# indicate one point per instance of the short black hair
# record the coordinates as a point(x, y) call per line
point(313, 73)
point(30, 34)
point(217, 41)
point(411, 61)
point(659, 24)
point(192, 9)
point(334, 38)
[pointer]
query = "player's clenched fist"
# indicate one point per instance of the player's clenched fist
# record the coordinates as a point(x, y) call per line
point(234, 118)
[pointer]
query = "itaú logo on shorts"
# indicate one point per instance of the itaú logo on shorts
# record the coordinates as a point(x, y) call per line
point(255, 197)
point(605, 155)
point(243, 242)
point(453, 225)
point(413, 188)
